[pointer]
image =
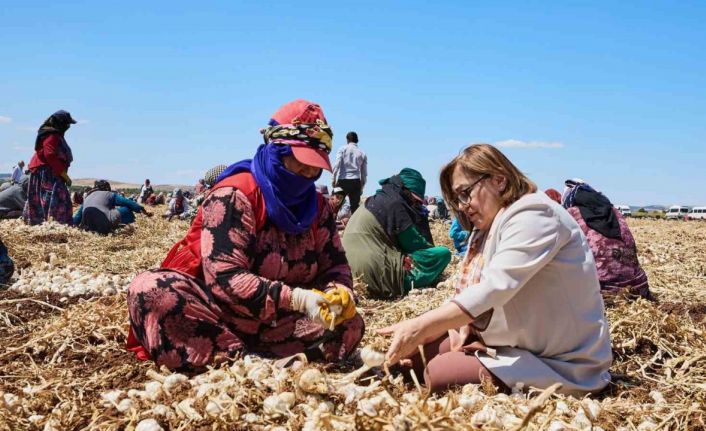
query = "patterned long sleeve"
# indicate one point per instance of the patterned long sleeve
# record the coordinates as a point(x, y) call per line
point(332, 263)
point(228, 243)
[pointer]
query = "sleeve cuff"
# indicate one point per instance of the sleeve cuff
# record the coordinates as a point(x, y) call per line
point(473, 301)
point(285, 298)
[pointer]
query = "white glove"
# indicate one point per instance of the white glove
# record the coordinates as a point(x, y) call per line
point(309, 302)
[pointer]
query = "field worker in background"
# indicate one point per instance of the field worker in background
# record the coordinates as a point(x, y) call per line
point(388, 241)
point(145, 192)
point(17, 172)
point(195, 203)
point(340, 207)
point(212, 175)
point(7, 267)
point(610, 239)
point(13, 199)
point(178, 206)
point(459, 236)
point(553, 195)
point(527, 307)
point(200, 187)
point(351, 170)
point(260, 266)
point(104, 210)
point(48, 195)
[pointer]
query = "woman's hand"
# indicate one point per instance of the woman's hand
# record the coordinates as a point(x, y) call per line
point(406, 336)
point(338, 294)
point(409, 334)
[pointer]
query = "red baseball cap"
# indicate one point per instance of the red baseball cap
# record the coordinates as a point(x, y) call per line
point(302, 125)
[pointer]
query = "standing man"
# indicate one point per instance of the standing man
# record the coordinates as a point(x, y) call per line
point(351, 170)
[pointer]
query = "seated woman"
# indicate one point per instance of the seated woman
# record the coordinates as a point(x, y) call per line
point(7, 267)
point(261, 267)
point(13, 198)
point(341, 207)
point(459, 236)
point(388, 241)
point(610, 239)
point(178, 206)
point(103, 210)
point(527, 307)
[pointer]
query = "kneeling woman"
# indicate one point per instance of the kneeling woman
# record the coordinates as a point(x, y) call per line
point(245, 277)
point(104, 210)
point(388, 241)
point(528, 306)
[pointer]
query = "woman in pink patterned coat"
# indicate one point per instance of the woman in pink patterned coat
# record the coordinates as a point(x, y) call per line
point(610, 239)
point(272, 278)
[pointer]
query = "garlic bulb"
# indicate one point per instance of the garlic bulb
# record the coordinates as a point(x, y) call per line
point(581, 421)
point(557, 425)
point(371, 358)
point(313, 381)
point(279, 404)
point(125, 405)
point(647, 425)
point(487, 417)
point(562, 408)
point(593, 408)
point(657, 397)
point(148, 425)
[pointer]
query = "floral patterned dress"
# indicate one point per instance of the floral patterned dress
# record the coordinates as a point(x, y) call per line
point(243, 301)
point(48, 197)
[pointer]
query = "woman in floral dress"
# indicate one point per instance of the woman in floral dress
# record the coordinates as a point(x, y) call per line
point(262, 268)
point(48, 195)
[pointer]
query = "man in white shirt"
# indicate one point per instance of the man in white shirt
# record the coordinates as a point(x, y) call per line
point(351, 170)
point(17, 172)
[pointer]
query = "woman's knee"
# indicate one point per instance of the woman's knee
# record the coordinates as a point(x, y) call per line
point(453, 369)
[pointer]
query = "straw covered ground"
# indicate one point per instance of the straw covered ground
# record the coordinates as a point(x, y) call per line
point(63, 365)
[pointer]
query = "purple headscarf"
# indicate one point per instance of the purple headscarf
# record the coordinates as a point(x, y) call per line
point(290, 199)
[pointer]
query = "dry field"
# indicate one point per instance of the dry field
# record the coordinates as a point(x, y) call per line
point(63, 366)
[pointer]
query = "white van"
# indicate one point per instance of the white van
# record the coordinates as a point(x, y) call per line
point(677, 212)
point(624, 210)
point(697, 213)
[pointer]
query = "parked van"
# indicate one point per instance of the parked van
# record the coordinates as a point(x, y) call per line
point(624, 210)
point(697, 213)
point(677, 212)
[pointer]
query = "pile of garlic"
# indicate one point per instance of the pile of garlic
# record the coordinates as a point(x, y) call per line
point(19, 227)
point(275, 395)
point(253, 393)
point(68, 281)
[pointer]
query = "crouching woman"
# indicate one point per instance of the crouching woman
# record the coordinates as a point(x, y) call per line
point(527, 307)
point(262, 269)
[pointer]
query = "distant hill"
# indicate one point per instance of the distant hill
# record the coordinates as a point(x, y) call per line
point(5, 176)
point(119, 185)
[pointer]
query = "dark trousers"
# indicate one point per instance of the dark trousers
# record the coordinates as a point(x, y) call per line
point(353, 189)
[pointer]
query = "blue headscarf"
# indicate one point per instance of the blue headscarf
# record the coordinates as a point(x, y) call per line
point(290, 199)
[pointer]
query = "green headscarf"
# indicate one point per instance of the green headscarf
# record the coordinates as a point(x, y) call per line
point(412, 180)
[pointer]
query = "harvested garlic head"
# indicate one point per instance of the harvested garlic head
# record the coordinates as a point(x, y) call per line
point(278, 405)
point(371, 358)
point(313, 381)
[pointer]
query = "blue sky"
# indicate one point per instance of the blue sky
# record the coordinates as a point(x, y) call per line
point(613, 92)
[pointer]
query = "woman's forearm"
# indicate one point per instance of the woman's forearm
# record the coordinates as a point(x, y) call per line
point(441, 319)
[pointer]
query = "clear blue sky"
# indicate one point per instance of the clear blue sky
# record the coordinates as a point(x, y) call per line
point(613, 92)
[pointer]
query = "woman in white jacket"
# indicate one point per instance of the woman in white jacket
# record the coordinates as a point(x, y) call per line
point(527, 306)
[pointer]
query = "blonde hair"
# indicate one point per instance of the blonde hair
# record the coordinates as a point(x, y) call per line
point(479, 160)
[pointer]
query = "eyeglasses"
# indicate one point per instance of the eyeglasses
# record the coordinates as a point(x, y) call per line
point(464, 196)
